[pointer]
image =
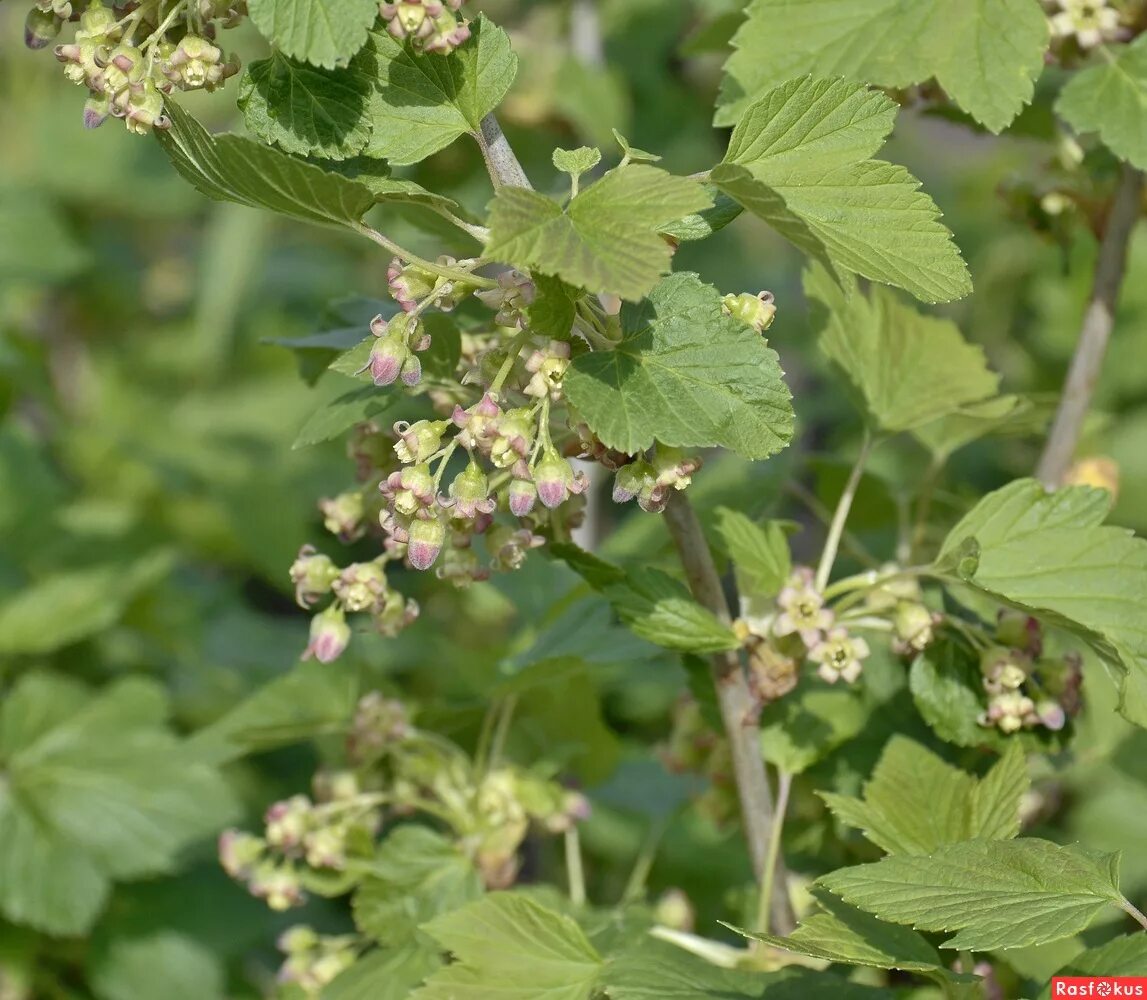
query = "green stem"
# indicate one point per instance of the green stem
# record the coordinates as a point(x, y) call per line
point(836, 528)
point(764, 901)
point(515, 349)
point(1137, 915)
point(635, 884)
point(575, 871)
point(447, 454)
point(501, 734)
point(454, 273)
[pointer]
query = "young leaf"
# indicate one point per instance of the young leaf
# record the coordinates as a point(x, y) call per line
point(916, 802)
point(986, 55)
point(1109, 98)
point(631, 153)
point(1050, 555)
point(993, 893)
point(231, 168)
point(424, 101)
point(305, 110)
point(322, 32)
point(799, 158)
point(760, 552)
point(909, 369)
point(417, 874)
point(576, 162)
point(701, 225)
point(684, 374)
point(606, 238)
point(508, 945)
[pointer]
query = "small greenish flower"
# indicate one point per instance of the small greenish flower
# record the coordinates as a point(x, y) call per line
point(839, 656)
point(802, 609)
point(1092, 22)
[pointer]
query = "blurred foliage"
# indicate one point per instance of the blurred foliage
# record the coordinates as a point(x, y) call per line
point(151, 500)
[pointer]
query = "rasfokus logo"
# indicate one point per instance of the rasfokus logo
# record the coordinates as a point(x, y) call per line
point(1099, 986)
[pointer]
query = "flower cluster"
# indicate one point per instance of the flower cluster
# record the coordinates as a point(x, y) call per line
point(1089, 22)
point(395, 771)
point(430, 25)
point(800, 626)
point(1025, 689)
point(126, 78)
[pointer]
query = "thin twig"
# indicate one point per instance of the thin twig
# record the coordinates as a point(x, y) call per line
point(784, 786)
point(455, 274)
point(737, 704)
point(501, 162)
point(1095, 331)
point(840, 518)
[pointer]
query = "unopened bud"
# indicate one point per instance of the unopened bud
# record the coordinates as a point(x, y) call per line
point(41, 28)
point(330, 635)
point(757, 311)
point(427, 536)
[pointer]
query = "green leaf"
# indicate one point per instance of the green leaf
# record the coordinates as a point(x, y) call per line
point(375, 176)
point(916, 802)
point(1049, 554)
point(842, 933)
point(701, 225)
point(576, 162)
point(1111, 98)
point(760, 552)
point(384, 975)
point(658, 971)
point(416, 875)
point(332, 419)
point(953, 431)
point(554, 307)
point(231, 168)
point(508, 945)
point(304, 110)
point(986, 54)
point(657, 607)
point(323, 32)
point(426, 100)
point(908, 369)
point(685, 374)
point(305, 702)
point(93, 790)
point(164, 963)
point(799, 158)
point(632, 153)
point(69, 606)
point(606, 239)
point(993, 893)
point(1121, 956)
point(807, 724)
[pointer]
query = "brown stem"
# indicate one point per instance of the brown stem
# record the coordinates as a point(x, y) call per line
point(737, 704)
point(1096, 329)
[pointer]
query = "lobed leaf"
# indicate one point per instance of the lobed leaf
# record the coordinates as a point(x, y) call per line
point(323, 32)
point(993, 893)
point(799, 159)
point(1111, 98)
point(987, 54)
point(685, 374)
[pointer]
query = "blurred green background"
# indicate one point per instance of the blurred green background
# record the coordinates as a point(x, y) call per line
point(151, 500)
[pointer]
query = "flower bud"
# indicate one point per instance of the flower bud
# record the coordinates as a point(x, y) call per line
point(631, 480)
point(521, 495)
point(279, 887)
point(912, 625)
point(417, 442)
point(239, 852)
point(287, 822)
point(394, 614)
point(41, 28)
point(1051, 715)
point(1019, 631)
point(508, 546)
point(556, 480)
point(674, 910)
point(297, 939)
point(757, 311)
point(343, 515)
point(312, 574)
point(96, 110)
point(360, 586)
point(411, 371)
point(97, 24)
point(409, 284)
point(388, 354)
point(330, 635)
point(427, 535)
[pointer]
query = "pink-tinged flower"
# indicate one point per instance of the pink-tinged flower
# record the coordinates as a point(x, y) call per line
point(360, 586)
point(556, 479)
point(408, 284)
point(426, 538)
point(1051, 715)
point(342, 515)
point(547, 369)
point(417, 442)
point(1009, 712)
point(278, 886)
point(521, 495)
point(802, 609)
point(510, 438)
point(330, 635)
point(288, 821)
point(478, 425)
point(469, 494)
point(508, 546)
point(394, 614)
point(839, 656)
